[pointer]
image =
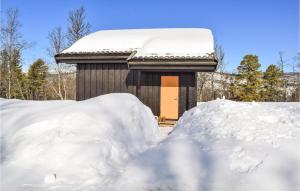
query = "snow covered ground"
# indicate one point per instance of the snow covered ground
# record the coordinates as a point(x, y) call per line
point(112, 142)
point(58, 145)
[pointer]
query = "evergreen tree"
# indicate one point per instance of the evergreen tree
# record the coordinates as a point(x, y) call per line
point(17, 76)
point(247, 84)
point(4, 74)
point(12, 79)
point(12, 44)
point(272, 83)
point(37, 74)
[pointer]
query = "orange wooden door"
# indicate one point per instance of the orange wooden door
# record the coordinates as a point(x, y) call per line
point(169, 94)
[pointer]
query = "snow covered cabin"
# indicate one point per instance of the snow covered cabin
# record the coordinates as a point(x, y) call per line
point(157, 65)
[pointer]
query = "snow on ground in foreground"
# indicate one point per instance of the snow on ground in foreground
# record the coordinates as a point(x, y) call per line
point(112, 142)
point(63, 145)
point(224, 145)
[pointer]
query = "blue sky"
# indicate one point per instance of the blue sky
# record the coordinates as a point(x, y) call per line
point(261, 27)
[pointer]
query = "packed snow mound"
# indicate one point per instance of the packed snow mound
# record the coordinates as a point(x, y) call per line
point(183, 42)
point(111, 143)
point(68, 145)
point(224, 145)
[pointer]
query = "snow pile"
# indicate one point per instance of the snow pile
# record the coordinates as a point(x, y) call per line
point(63, 145)
point(111, 143)
point(184, 42)
point(224, 145)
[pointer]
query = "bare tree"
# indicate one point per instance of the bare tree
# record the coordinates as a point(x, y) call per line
point(202, 79)
point(296, 83)
point(12, 43)
point(297, 60)
point(61, 81)
point(57, 44)
point(220, 55)
point(282, 64)
point(213, 84)
point(78, 27)
point(57, 40)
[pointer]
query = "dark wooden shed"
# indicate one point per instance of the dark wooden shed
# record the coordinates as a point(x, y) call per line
point(166, 82)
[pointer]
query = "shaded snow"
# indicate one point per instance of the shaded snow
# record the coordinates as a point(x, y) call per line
point(224, 145)
point(185, 42)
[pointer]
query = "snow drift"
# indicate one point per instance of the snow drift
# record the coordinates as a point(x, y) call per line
point(224, 145)
point(111, 143)
point(62, 145)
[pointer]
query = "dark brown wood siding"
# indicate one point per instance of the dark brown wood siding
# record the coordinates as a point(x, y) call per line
point(101, 78)
point(98, 79)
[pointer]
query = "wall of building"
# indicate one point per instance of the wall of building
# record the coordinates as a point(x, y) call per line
point(98, 79)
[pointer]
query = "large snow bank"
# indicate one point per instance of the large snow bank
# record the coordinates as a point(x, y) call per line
point(183, 42)
point(224, 145)
point(111, 143)
point(63, 145)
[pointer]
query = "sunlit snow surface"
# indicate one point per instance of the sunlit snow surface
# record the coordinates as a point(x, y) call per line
point(183, 42)
point(62, 145)
point(112, 142)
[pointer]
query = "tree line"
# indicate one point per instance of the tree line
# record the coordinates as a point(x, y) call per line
point(49, 80)
point(43, 80)
point(249, 83)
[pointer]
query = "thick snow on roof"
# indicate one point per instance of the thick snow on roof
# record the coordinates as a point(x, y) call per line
point(183, 42)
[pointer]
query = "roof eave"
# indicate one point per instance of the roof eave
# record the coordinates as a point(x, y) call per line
point(195, 65)
point(73, 58)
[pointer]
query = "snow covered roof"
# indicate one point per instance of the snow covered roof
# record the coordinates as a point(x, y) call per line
point(175, 42)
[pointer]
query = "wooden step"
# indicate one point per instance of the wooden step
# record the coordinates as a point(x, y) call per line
point(167, 123)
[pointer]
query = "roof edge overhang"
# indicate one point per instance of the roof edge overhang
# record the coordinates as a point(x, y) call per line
point(194, 65)
point(103, 57)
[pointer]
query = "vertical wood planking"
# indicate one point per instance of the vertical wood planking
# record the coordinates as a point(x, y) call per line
point(99, 79)
point(192, 92)
point(182, 94)
point(150, 90)
point(129, 81)
point(111, 77)
point(105, 79)
point(124, 73)
point(117, 77)
point(77, 82)
point(143, 88)
point(93, 80)
point(154, 110)
point(86, 81)
point(81, 82)
point(156, 93)
point(132, 82)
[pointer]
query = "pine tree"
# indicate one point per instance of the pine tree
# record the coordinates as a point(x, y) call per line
point(272, 84)
point(4, 74)
point(37, 74)
point(12, 44)
point(12, 79)
point(247, 84)
point(17, 76)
